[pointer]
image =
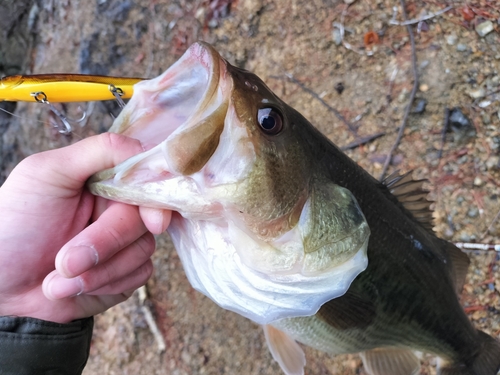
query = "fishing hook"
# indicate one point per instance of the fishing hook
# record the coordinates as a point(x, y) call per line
point(41, 97)
point(118, 93)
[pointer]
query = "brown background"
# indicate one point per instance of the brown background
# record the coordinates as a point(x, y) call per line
point(271, 38)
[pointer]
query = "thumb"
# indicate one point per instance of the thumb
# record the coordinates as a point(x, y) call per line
point(69, 167)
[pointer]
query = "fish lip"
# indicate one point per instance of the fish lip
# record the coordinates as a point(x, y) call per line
point(197, 71)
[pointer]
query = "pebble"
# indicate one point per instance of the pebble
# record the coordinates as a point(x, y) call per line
point(337, 38)
point(476, 94)
point(451, 39)
point(458, 120)
point(402, 96)
point(484, 104)
point(461, 47)
point(424, 64)
point(420, 106)
point(486, 118)
point(464, 237)
point(473, 212)
point(492, 162)
point(484, 28)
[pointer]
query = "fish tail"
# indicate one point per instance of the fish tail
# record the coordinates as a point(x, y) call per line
point(486, 362)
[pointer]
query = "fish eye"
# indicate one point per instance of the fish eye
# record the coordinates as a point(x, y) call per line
point(270, 120)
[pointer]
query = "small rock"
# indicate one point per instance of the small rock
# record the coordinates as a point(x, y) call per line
point(492, 162)
point(461, 47)
point(451, 39)
point(462, 159)
point(473, 212)
point(460, 125)
point(484, 28)
point(476, 94)
point(486, 118)
point(424, 64)
point(420, 106)
point(448, 233)
point(458, 120)
point(402, 96)
point(424, 87)
point(339, 87)
point(464, 237)
point(337, 37)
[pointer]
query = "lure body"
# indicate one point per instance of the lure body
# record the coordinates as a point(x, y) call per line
point(64, 88)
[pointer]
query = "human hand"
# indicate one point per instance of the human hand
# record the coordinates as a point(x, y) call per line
point(53, 264)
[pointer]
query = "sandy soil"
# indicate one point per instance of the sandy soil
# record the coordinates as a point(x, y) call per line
point(458, 68)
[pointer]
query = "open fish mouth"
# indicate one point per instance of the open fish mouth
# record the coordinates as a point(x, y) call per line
point(245, 228)
point(178, 117)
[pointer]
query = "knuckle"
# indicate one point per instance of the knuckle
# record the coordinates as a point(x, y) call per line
point(113, 141)
point(115, 237)
point(146, 244)
point(146, 270)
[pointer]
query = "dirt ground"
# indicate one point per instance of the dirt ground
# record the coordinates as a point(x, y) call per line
point(458, 69)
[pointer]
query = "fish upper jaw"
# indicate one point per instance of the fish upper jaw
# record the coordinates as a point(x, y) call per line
point(180, 118)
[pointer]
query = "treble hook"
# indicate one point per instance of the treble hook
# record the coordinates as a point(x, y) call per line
point(118, 93)
point(40, 97)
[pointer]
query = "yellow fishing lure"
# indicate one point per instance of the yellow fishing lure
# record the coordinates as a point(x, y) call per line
point(63, 88)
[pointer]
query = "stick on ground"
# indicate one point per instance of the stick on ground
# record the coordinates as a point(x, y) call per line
point(412, 95)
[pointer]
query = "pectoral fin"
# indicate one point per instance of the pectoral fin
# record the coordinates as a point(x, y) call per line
point(285, 351)
point(390, 361)
point(348, 311)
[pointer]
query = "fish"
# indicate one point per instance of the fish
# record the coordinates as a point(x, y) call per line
point(273, 221)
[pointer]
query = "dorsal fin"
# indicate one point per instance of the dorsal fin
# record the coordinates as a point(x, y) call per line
point(411, 194)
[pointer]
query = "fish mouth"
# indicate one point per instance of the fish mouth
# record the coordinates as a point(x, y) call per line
point(178, 117)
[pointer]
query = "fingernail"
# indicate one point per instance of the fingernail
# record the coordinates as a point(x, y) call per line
point(79, 259)
point(60, 287)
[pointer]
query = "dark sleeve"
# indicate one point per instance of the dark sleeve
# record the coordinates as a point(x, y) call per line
point(31, 346)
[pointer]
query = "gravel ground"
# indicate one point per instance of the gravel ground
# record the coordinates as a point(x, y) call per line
point(458, 61)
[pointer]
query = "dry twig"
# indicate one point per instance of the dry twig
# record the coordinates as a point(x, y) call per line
point(361, 141)
point(412, 95)
point(148, 315)
point(406, 22)
point(476, 246)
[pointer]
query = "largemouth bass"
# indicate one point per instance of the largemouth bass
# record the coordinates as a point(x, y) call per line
point(274, 222)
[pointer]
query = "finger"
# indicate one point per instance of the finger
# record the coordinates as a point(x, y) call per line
point(119, 226)
point(100, 206)
point(71, 166)
point(127, 285)
point(132, 263)
point(155, 220)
